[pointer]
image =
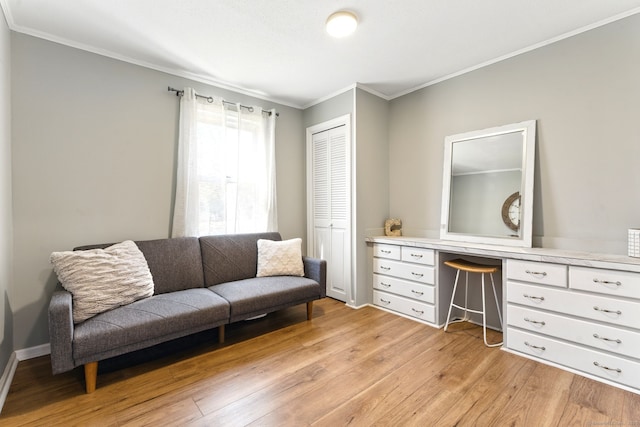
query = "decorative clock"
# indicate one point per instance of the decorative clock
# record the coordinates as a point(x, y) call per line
point(511, 211)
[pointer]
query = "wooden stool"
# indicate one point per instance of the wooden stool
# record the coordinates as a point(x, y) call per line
point(471, 267)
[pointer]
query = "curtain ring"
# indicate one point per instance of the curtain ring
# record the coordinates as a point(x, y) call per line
point(210, 100)
point(250, 109)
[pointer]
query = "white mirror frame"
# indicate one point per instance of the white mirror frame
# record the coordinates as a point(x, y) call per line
point(526, 188)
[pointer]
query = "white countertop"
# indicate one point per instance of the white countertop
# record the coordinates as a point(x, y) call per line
point(558, 256)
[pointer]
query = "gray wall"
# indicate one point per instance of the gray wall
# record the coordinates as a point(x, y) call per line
point(371, 185)
point(583, 91)
point(6, 221)
point(94, 144)
point(329, 109)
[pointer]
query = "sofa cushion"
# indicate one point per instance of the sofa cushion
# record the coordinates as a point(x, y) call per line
point(227, 258)
point(280, 258)
point(141, 323)
point(175, 264)
point(103, 279)
point(259, 295)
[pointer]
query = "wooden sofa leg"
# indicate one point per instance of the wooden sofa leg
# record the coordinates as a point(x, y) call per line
point(90, 376)
point(221, 334)
point(309, 310)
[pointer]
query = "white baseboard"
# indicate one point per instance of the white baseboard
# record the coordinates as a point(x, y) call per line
point(7, 378)
point(12, 365)
point(33, 352)
point(356, 307)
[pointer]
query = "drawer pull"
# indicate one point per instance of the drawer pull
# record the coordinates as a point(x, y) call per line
point(385, 301)
point(416, 255)
point(618, 370)
point(417, 274)
point(535, 347)
point(619, 341)
point(420, 312)
point(385, 251)
point(386, 285)
point(604, 310)
point(417, 292)
point(607, 282)
point(385, 268)
point(537, 274)
point(532, 297)
point(535, 322)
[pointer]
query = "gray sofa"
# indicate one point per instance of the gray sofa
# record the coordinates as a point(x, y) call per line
point(199, 284)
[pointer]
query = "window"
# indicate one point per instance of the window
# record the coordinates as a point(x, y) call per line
point(230, 156)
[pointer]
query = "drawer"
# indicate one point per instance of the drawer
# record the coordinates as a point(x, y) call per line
point(610, 367)
point(537, 272)
point(404, 305)
point(386, 251)
point(596, 335)
point(595, 307)
point(418, 255)
point(609, 282)
point(417, 291)
point(402, 270)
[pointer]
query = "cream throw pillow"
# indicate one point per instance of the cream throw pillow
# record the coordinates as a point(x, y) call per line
point(280, 258)
point(103, 279)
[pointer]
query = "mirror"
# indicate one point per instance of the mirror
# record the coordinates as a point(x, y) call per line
point(487, 191)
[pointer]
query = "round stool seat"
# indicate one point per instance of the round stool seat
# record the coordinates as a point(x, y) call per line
point(471, 267)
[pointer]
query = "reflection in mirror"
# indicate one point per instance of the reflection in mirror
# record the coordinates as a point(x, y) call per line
point(488, 185)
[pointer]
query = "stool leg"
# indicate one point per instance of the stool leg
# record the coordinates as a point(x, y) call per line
point(484, 314)
point(466, 297)
point(453, 295)
point(495, 295)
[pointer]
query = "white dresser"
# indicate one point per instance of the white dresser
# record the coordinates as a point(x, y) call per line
point(587, 319)
point(404, 281)
point(577, 311)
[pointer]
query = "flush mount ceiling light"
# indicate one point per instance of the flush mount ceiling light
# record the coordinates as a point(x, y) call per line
point(342, 23)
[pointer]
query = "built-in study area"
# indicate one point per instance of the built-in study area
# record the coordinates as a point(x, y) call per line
point(576, 310)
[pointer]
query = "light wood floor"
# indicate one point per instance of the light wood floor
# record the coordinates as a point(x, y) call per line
point(345, 367)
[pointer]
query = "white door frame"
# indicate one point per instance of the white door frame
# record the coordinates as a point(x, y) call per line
point(344, 120)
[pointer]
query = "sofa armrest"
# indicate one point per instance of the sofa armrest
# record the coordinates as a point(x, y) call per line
point(61, 330)
point(316, 269)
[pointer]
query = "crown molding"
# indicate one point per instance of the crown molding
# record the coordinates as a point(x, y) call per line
point(521, 51)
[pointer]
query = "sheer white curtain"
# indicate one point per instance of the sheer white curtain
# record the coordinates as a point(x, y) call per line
point(226, 169)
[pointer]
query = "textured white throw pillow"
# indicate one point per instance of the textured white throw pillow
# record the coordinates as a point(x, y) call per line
point(280, 258)
point(103, 279)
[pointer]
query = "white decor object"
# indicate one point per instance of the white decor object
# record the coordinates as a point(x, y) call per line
point(341, 24)
point(103, 279)
point(280, 258)
point(634, 242)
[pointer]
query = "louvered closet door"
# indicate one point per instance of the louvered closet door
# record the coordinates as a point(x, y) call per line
point(331, 203)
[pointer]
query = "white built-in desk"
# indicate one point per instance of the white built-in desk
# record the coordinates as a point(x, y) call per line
point(578, 311)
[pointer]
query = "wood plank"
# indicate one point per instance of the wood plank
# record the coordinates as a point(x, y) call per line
point(304, 376)
point(586, 406)
point(540, 401)
point(344, 367)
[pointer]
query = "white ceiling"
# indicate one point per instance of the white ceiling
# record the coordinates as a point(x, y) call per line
point(278, 49)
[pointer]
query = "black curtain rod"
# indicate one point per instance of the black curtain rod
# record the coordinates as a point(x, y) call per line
point(210, 100)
